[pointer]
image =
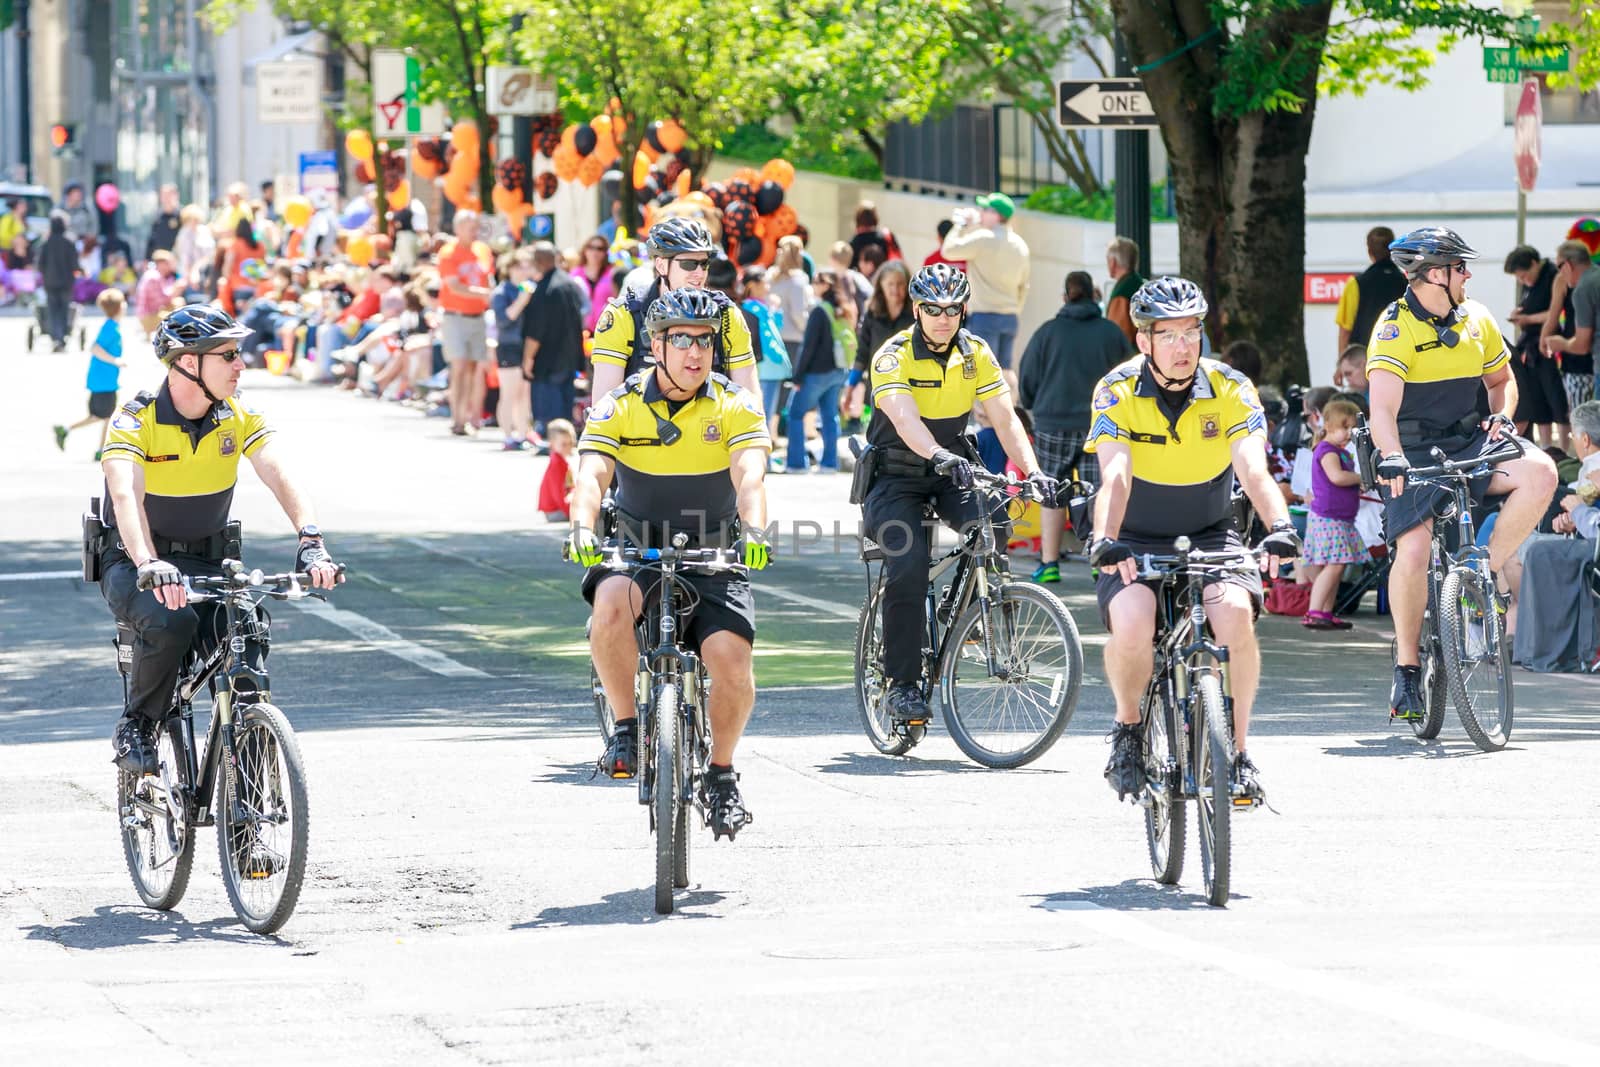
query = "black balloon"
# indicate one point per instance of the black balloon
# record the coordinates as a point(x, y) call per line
point(739, 219)
point(652, 137)
point(749, 250)
point(739, 189)
point(718, 193)
point(769, 198)
point(585, 140)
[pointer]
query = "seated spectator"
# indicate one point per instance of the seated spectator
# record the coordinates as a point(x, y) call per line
point(158, 290)
point(1552, 617)
point(18, 280)
point(555, 488)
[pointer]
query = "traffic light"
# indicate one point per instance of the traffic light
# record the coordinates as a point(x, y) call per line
point(63, 139)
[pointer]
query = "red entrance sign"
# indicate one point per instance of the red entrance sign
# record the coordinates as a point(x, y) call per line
point(1325, 288)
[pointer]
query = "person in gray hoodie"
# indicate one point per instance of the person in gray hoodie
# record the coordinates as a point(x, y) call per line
point(1064, 361)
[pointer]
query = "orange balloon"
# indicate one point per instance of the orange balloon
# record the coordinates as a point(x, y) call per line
point(591, 170)
point(566, 162)
point(641, 169)
point(569, 138)
point(601, 125)
point(359, 250)
point(426, 169)
point(472, 203)
point(501, 196)
point(749, 174)
point(606, 150)
point(358, 143)
point(401, 196)
point(457, 187)
point(783, 221)
point(780, 171)
point(681, 186)
point(649, 153)
point(649, 216)
point(464, 136)
point(672, 135)
point(698, 198)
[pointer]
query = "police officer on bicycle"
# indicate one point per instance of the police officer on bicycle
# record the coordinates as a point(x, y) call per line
point(687, 450)
point(681, 251)
point(1432, 358)
point(1172, 431)
point(925, 381)
point(171, 461)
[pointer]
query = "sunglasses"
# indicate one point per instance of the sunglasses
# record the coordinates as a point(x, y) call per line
point(1170, 339)
point(685, 341)
point(229, 354)
point(940, 310)
point(692, 265)
point(1458, 268)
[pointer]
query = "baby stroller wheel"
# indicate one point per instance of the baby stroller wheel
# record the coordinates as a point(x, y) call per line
point(32, 333)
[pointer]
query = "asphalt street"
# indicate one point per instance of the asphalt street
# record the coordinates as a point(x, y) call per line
point(474, 896)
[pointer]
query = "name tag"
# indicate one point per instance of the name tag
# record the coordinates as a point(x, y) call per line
point(1148, 438)
point(640, 442)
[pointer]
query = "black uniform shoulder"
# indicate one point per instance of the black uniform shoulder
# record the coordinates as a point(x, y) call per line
point(139, 403)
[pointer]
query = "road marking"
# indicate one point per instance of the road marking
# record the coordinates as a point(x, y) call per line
point(39, 576)
point(827, 607)
point(1401, 1006)
point(386, 640)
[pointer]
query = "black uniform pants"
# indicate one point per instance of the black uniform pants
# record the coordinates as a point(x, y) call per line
point(892, 516)
point(161, 637)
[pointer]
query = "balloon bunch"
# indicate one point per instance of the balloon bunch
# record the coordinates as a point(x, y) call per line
point(584, 151)
point(748, 209)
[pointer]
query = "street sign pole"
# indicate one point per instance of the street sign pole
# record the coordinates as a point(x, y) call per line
point(1132, 188)
point(521, 126)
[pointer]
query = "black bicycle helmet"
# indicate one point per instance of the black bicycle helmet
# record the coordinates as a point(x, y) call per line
point(678, 236)
point(1431, 246)
point(196, 328)
point(940, 284)
point(1160, 299)
point(683, 307)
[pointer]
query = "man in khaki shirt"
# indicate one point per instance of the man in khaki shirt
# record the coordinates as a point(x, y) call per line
point(996, 262)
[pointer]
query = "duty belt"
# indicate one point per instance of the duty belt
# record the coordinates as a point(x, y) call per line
point(209, 547)
point(903, 463)
point(1428, 433)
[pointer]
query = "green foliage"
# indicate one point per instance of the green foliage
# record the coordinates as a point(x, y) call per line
point(1099, 205)
point(8, 14)
point(1582, 35)
point(753, 143)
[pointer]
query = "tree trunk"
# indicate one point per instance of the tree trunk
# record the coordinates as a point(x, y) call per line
point(1238, 182)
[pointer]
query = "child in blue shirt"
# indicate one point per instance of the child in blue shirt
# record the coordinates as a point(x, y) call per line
point(105, 367)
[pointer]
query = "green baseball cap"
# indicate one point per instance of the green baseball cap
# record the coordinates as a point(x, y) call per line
point(999, 203)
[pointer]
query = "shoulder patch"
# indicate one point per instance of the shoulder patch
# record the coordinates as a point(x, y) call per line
point(750, 402)
point(886, 362)
point(1248, 394)
point(606, 318)
point(126, 421)
point(1389, 331)
point(603, 409)
point(1105, 397)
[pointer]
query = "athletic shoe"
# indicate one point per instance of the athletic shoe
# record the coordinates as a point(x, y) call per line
point(1048, 573)
point(61, 437)
point(133, 744)
point(1405, 696)
point(725, 804)
point(1125, 768)
point(621, 759)
point(904, 703)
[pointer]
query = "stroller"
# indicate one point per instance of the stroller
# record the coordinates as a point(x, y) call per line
point(40, 327)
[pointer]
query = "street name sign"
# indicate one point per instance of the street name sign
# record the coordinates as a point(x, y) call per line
point(1542, 59)
point(1104, 102)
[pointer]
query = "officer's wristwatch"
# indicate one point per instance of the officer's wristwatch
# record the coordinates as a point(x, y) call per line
point(310, 532)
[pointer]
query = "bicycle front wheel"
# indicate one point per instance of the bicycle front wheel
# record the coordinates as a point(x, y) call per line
point(263, 826)
point(157, 840)
point(1477, 658)
point(1011, 715)
point(668, 793)
point(1165, 816)
point(872, 685)
point(1213, 780)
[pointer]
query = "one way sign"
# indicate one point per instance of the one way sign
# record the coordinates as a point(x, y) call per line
point(1094, 105)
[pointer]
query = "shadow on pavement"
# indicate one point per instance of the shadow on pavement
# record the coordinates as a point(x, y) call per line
point(119, 926)
point(1135, 894)
point(632, 907)
point(578, 774)
point(875, 765)
point(1404, 747)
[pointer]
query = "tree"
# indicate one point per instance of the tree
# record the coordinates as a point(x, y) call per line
point(1233, 84)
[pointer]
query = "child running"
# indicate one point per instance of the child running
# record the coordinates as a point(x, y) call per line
point(1331, 538)
point(105, 366)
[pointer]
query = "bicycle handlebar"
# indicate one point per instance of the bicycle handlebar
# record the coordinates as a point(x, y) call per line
point(998, 482)
point(290, 586)
point(1447, 468)
point(1152, 565)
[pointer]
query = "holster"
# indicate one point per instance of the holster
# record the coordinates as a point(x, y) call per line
point(1366, 455)
point(94, 541)
point(866, 469)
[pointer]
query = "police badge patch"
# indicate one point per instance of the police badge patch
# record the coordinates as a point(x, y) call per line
point(1389, 331)
point(606, 318)
point(127, 422)
point(710, 432)
point(886, 363)
point(1208, 427)
point(603, 409)
point(227, 443)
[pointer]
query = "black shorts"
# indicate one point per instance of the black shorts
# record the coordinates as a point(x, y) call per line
point(1415, 505)
point(726, 602)
point(506, 356)
point(1541, 394)
point(1110, 583)
point(102, 405)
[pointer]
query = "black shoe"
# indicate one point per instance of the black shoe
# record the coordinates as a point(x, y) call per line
point(1125, 769)
point(1247, 791)
point(621, 759)
point(1405, 696)
point(905, 704)
point(134, 745)
point(726, 806)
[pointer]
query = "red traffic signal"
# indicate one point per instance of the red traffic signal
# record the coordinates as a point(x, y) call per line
point(61, 135)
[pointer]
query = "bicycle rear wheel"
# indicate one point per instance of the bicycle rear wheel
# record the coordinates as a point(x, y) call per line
point(872, 685)
point(1165, 814)
point(1477, 658)
point(1213, 781)
point(668, 793)
point(157, 843)
point(1012, 716)
point(263, 819)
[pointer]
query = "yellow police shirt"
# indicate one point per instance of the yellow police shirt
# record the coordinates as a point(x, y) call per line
point(944, 386)
point(1442, 362)
point(616, 337)
point(683, 486)
point(1182, 467)
point(190, 468)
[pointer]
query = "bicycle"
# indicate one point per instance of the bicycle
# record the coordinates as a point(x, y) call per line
point(671, 692)
point(1005, 654)
point(1464, 646)
point(1187, 710)
point(247, 779)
